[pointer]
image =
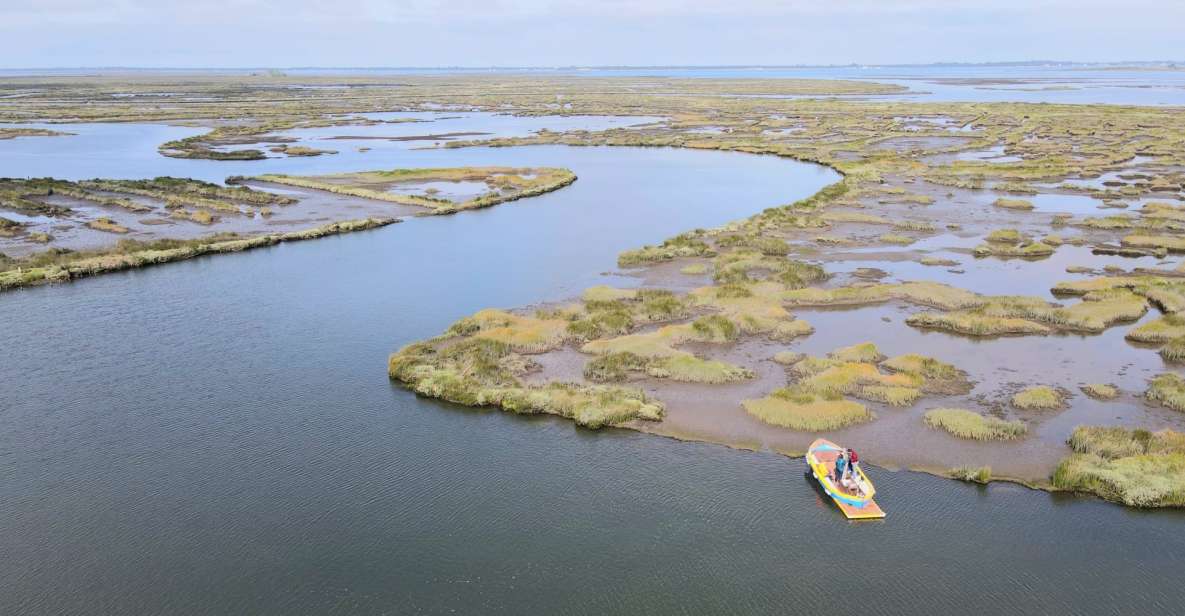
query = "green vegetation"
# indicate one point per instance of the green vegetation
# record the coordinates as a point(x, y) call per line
point(104, 223)
point(971, 425)
point(504, 183)
point(484, 372)
point(1100, 391)
point(1038, 397)
point(1135, 467)
point(685, 245)
point(1166, 328)
point(864, 352)
point(761, 267)
point(1167, 389)
point(13, 133)
point(806, 412)
point(1022, 315)
point(57, 265)
point(982, 474)
point(1013, 204)
point(1174, 351)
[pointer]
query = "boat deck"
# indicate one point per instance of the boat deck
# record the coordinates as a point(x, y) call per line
point(826, 456)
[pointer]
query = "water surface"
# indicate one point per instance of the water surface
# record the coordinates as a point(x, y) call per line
point(220, 436)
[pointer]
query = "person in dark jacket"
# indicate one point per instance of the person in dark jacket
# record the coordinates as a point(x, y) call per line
point(840, 464)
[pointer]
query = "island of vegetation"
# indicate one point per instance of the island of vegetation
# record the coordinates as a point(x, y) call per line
point(956, 303)
point(423, 187)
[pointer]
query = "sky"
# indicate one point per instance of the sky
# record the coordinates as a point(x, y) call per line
point(544, 33)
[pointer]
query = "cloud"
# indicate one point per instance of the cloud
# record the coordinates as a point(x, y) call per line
point(579, 32)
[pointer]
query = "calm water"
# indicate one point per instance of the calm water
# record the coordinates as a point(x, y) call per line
point(220, 436)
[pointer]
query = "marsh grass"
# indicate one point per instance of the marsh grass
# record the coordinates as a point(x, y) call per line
point(971, 425)
point(56, 265)
point(981, 474)
point(975, 324)
point(1167, 389)
point(688, 244)
point(788, 358)
point(1038, 397)
point(865, 352)
point(1100, 391)
point(691, 369)
point(933, 294)
point(1174, 351)
point(1025, 250)
point(1167, 242)
point(1013, 204)
point(1164, 329)
point(1135, 467)
point(806, 412)
point(899, 240)
point(522, 334)
point(104, 223)
point(506, 184)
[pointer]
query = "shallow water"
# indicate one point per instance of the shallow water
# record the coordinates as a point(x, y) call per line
point(220, 436)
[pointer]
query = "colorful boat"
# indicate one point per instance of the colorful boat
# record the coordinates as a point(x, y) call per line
point(855, 499)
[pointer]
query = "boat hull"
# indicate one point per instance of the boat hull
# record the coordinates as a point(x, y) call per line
point(821, 460)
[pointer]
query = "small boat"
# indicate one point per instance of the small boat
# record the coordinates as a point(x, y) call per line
point(855, 499)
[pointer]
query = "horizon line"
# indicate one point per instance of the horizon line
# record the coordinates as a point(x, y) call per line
point(608, 66)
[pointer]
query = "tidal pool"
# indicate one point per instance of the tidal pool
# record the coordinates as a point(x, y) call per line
point(220, 435)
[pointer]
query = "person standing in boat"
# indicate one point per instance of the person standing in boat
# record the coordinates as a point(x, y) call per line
point(853, 459)
point(840, 465)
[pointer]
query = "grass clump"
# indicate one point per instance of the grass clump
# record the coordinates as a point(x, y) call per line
point(694, 269)
point(807, 412)
point(1005, 236)
point(1168, 390)
point(104, 223)
point(613, 367)
point(1100, 391)
point(981, 474)
point(1026, 250)
point(1174, 351)
point(603, 293)
point(482, 372)
point(1135, 467)
point(932, 294)
point(899, 240)
point(1038, 397)
point(1013, 204)
point(715, 328)
point(970, 425)
point(976, 324)
point(685, 245)
point(865, 352)
point(504, 183)
point(523, 334)
point(1167, 242)
point(935, 376)
point(788, 358)
point(688, 368)
point(1166, 328)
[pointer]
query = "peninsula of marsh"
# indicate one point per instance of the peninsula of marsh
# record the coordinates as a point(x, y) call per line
point(959, 302)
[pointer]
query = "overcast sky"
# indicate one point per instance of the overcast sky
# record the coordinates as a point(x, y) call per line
point(255, 33)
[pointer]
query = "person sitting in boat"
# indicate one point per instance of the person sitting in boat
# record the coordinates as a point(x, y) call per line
point(840, 465)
